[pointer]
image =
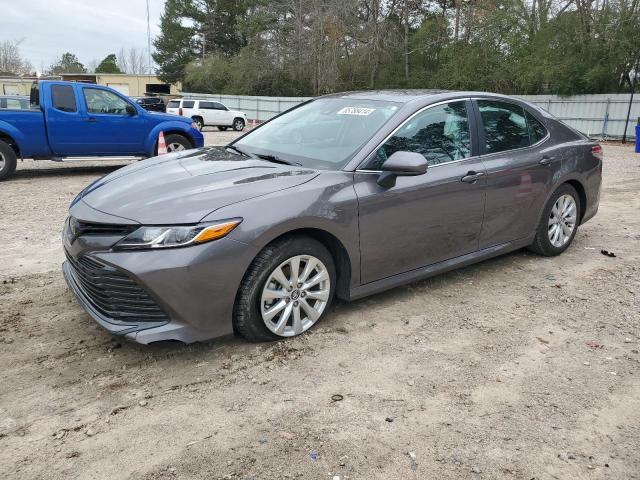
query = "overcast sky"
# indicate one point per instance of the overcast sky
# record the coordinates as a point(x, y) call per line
point(91, 29)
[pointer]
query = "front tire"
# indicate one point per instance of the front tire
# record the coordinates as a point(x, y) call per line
point(8, 160)
point(287, 289)
point(176, 143)
point(238, 124)
point(559, 222)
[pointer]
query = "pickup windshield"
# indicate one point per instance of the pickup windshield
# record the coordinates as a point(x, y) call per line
point(324, 133)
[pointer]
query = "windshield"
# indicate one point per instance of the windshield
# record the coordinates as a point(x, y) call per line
point(324, 133)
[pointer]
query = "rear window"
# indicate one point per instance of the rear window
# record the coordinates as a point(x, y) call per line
point(63, 98)
point(173, 104)
point(505, 127)
point(188, 103)
point(536, 130)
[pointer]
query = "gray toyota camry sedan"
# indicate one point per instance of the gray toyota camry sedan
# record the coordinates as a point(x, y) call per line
point(343, 196)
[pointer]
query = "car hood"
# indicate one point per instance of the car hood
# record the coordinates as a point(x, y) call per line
point(184, 187)
point(168, 117)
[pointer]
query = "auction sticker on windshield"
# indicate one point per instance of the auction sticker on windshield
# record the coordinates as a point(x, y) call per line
point(362, 111)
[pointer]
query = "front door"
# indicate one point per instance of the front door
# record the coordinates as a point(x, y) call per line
point(428, 218)
point(107, 128)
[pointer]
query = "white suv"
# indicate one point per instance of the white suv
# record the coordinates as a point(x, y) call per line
point(207, 112)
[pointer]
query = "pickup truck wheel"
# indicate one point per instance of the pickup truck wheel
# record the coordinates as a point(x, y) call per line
point(199, 123)
point(8, 160)
point(238, 124)
point(176, 143)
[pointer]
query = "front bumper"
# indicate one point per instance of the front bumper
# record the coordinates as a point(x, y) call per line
point(195, 286)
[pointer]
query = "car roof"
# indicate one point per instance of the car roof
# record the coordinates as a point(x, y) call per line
point(410, 95)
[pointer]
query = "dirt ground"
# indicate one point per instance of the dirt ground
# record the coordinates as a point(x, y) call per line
point(519, 367)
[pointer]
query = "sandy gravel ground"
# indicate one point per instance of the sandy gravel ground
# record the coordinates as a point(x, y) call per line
point(519, 367)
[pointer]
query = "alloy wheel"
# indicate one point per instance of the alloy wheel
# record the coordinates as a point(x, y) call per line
point(238, 125)
point(295, 295)
point(175, 147)
point(2, 161)
point(562, 221)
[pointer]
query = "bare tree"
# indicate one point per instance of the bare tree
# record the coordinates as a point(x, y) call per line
point(132, 61)
point(10, 59)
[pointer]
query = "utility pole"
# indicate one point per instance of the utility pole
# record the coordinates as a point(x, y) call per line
point(148, 40)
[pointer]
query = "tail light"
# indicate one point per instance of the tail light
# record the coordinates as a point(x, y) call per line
point(180, 111)
point(596, 150)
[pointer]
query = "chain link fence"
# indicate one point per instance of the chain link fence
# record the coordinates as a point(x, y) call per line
point(601, 116)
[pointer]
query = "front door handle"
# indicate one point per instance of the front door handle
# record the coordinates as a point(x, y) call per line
point(472, 177)
point(90, 120)
point(546, 160)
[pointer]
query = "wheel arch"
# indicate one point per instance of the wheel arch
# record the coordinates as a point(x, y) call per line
point(338, 251)
point(169, 128)
point(581, 193)
point(7, 138)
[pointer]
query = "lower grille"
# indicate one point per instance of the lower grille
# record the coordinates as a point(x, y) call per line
point(113, 293)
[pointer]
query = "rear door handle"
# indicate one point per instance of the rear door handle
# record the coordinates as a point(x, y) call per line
point(472, 177)
point(546, 160)
point(90, 120)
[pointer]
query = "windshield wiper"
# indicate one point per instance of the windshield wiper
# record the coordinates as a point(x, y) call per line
point(274, 159)
point(236, 149)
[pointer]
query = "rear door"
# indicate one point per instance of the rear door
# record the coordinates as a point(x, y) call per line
point(208, 113)
point(428, 218)
point(519, 162)
point(107, 128)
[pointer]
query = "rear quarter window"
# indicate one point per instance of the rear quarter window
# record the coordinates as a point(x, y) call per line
point(188, 104)
point(173, 104)
point(63, 98)
point(536, 130)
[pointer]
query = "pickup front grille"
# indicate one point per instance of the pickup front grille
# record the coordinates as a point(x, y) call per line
point(113, 293)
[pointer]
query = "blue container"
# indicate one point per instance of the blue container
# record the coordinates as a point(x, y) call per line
point(638, 138)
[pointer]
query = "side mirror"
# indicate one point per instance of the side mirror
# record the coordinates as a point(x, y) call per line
point(401, 164)
point(131, 111)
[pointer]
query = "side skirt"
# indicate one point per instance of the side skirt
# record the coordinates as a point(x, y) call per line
point(437, 268)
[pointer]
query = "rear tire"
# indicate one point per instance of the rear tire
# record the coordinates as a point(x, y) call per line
point(8, 160)
point(248, 319)
point(238, 124)
point(543, 244)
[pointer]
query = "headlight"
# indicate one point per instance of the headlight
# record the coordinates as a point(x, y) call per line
point(177, 235)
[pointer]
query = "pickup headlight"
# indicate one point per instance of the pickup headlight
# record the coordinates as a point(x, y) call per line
point(176, 235)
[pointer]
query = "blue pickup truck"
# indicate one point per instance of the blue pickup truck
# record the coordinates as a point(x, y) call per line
point(70, 119)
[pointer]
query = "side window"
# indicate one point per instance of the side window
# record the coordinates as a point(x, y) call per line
point(219, 106)
point(440, 133)
point(505, 127)
point(63, 98)
point(536, 130)
point(188, 103)
point(102, 101)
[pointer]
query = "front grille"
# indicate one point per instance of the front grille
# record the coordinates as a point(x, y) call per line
point(113, 293)
point(79, 228)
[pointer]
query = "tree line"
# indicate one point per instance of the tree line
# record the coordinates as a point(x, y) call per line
point(311, 47)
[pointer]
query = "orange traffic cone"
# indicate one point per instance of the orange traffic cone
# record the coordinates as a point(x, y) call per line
point(162, 146)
